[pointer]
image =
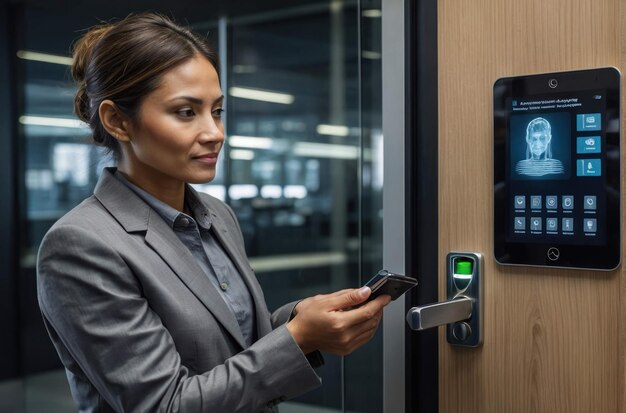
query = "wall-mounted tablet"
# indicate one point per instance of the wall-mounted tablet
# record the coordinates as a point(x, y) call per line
point(557, 169)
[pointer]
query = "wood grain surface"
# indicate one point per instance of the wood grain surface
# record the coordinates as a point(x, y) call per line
point(554, 340)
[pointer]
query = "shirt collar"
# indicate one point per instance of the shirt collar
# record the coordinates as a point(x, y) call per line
point(171, 215)
point(201, 213)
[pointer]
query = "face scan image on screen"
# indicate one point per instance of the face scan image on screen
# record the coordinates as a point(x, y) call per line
point(539, 159)
point(540, 146)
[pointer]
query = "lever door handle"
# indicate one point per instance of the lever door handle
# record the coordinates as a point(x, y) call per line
point(463, 312)
point(436, 314)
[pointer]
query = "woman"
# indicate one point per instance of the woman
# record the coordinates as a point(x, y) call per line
point(145, 287)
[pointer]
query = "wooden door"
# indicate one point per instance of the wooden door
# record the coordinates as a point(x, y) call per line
point(553, 339)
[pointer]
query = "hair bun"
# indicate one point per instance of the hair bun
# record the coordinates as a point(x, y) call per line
point(82, 104)
point(83, 48)
point(81, 52)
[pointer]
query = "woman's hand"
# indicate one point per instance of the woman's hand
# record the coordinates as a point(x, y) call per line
point(330, 322)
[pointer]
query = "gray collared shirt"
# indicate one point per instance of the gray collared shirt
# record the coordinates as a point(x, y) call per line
point(198, 237)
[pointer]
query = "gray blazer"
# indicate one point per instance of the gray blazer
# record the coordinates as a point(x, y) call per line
point(140, 328)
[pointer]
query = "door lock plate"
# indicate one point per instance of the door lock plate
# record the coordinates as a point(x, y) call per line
point(464, 280)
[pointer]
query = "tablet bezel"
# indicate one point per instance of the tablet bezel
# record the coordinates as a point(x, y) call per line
point(599, 257)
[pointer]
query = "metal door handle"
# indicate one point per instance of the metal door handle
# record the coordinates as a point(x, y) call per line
point(463, 310)
point(436, 314)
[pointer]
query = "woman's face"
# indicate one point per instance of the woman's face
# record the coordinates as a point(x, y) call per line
point(179, 132)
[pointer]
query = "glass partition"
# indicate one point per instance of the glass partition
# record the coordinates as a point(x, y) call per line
point(294, 135)
point(301, 169)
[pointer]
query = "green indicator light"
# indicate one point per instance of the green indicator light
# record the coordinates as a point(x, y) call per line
point(463, 267)
point(462, 273)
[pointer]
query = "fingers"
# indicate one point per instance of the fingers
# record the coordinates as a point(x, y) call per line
point(367, 325)
point(338, 293)
point(348, 298)
point(358, 336)
point(361, 329)
point(384, 299)
point(322, 322)
point(367, 311)
point(364, 337)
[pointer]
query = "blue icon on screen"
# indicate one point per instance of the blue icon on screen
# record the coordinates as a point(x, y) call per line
point(535, 224)
point(590, 225)
point(588, 167)
point(568, 224)
point(535, 201)
point(588, 144)
point(588, 121)
point(590, 202)
point(552, 224)
point(568, 201)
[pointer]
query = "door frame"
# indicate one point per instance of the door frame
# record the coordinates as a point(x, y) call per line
point(410, 207)
point(421, 189)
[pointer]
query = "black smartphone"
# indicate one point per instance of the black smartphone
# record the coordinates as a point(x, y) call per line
point(394, 285)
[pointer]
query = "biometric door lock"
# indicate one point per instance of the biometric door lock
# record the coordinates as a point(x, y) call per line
point(463, 310)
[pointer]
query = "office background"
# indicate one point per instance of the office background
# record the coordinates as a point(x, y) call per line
point(302, 167)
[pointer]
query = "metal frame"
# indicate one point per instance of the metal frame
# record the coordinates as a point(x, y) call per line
point(410, 203)
point(393, 199)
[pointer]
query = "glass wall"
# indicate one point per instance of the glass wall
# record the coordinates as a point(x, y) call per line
point(301, 168)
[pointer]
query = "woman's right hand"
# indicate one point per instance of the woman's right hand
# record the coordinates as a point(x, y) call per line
point(331, 323)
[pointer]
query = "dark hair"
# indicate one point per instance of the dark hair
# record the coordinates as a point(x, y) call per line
point(125, 61)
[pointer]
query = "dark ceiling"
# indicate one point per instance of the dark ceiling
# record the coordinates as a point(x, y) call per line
point(190, 9)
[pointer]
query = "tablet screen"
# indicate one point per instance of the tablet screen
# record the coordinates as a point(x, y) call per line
point(556, 169)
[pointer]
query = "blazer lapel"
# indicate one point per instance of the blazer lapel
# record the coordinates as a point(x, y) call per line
point(136, 216)
point(220, 230)
point(165, 242)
